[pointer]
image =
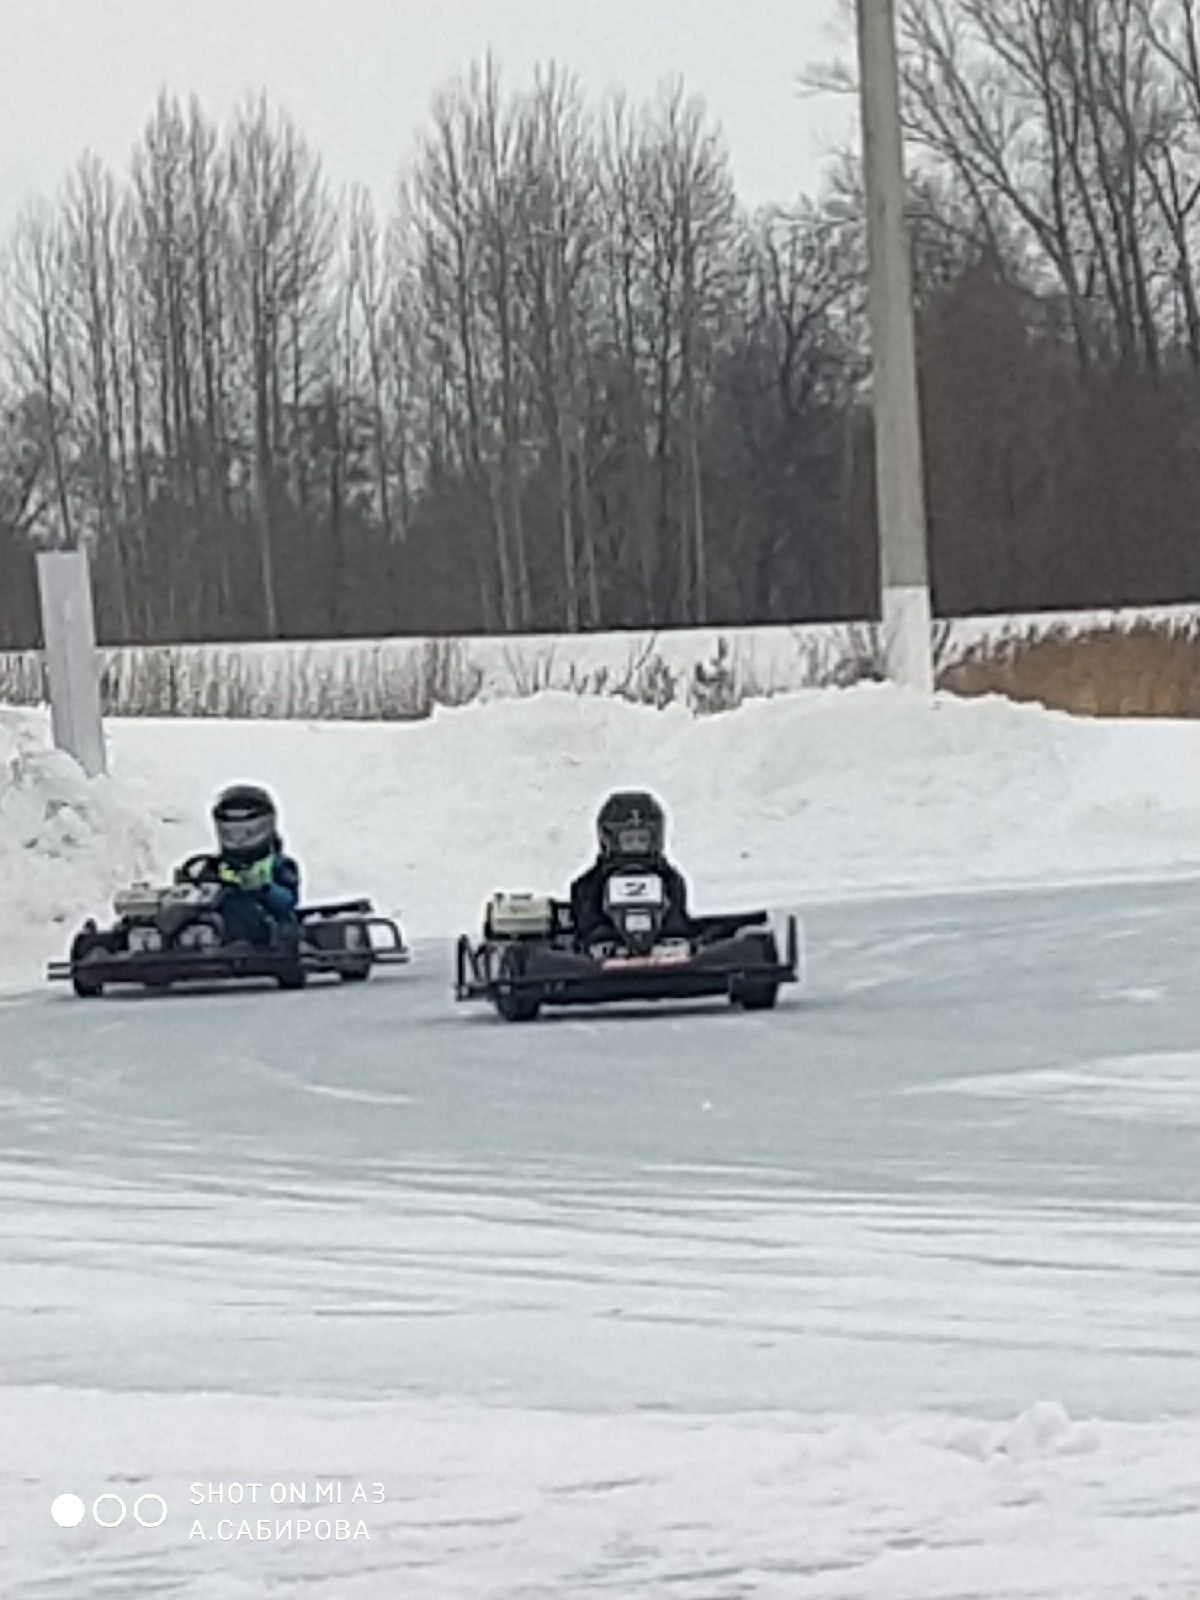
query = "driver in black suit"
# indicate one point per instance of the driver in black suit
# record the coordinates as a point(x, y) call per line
point(631, 830)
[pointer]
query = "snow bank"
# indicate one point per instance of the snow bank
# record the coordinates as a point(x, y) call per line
point(819, 794)
point(65, 844)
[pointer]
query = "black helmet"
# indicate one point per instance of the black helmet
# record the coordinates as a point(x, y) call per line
point(246, 823)
point(631, 827)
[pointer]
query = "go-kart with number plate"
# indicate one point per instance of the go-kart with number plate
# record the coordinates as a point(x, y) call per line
point(531, 954)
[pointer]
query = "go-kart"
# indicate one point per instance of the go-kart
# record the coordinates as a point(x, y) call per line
point(177, 934)
point(531, 955)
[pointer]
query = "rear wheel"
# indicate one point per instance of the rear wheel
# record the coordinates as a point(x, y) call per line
point(293, 978)
point(86, 988)
point(356, 947)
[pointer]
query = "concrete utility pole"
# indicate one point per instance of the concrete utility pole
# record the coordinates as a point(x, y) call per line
point(900, 488)
point(69, 633)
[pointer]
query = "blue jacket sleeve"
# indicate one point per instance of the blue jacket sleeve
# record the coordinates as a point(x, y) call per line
point(282, 895)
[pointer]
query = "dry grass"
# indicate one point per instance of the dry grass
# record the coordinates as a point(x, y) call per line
point(1148, 667)
point(1140, 672)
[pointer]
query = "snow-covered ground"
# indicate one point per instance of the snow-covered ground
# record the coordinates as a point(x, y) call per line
point(890, 1295)
point(882, 1297)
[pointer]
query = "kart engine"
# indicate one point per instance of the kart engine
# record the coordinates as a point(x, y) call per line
point(183, 913)
point(138, 905)
point(519, 916)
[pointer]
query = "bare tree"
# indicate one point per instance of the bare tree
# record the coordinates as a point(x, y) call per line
point(560, 228)
point(569, 383)
point(90, 217)
point(280, 236)
point(35, 295)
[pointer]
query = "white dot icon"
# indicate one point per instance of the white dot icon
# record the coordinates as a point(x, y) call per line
point(68, 1510)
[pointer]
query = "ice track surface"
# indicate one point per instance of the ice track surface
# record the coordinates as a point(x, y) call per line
point(892, 1294)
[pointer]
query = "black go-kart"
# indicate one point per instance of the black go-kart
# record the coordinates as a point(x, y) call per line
point(176, 935)
point(530, 955)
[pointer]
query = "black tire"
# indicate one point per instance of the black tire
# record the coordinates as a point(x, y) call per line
point(356, 950)
point(286, 941)
point(516, 1007)
point(761, 994)
point(85, 944)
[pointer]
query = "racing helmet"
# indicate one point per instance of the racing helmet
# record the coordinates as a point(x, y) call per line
point(246, 823)
point(632, 826)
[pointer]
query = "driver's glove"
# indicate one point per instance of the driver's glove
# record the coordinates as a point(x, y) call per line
point(257, 875)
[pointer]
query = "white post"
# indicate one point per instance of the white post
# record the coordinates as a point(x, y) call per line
point(900, 487)
point(69, 634)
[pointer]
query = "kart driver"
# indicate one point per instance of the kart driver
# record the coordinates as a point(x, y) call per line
point(262, 884)
point(631, 830)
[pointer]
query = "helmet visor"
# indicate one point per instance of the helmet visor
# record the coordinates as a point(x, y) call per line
point(635, 838)
point(245, 836)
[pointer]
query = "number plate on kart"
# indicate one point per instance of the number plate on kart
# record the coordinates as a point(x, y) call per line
point(658, 959)
point(635, 889)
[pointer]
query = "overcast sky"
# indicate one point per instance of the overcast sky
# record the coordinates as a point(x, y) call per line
point(357, 75)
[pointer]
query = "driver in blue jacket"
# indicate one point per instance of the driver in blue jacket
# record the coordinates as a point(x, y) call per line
point(261, 882)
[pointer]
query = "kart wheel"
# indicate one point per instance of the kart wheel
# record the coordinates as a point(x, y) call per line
point(760, 995)
point(356, 946)
point(514, 1007)
point(293, 978)
point(86, 988)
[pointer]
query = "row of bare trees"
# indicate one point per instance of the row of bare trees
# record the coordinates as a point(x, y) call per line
point(570, 383)
point(1071, 132)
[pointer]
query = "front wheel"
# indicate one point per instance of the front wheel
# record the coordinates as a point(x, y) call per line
point(355, 974)
point(761, 995)
point(85, 944)
point(514, 1004)
point(516, 1007)
point(293, 978)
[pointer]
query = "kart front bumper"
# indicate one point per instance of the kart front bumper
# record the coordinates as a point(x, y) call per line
point(565, 978)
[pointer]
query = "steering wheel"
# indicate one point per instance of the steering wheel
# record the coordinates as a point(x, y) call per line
point(190, 871)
